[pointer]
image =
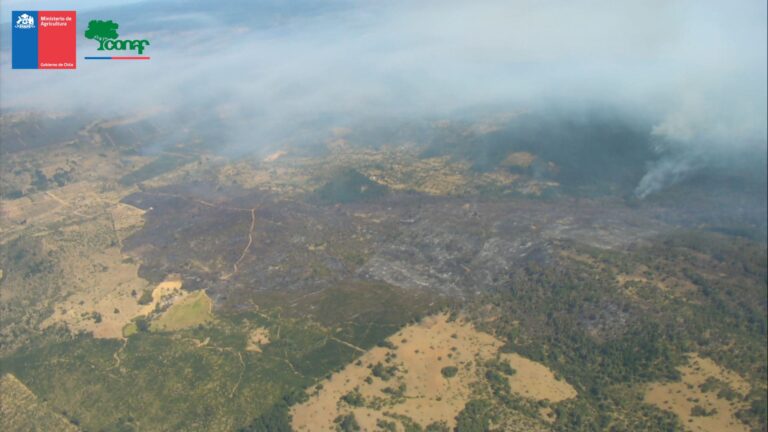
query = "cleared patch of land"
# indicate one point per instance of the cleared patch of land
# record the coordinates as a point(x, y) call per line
point(21, 410)
point(104, 283)
point(535, 381)
point(643, 275)
point(519, 159)
point(163, 296)
point(127, 219)
point(257, 338)
point(706, 398)
point(425, 373)
point(190, 311)
point(165, 293)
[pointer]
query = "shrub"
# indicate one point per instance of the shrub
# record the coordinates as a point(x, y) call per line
point(440, 426)
point(386, 344)
point(498, 382)
point(146, 297)
point(449, 371)
point(347, 423)
point(277, 419)
point(395, 392)
point(142, 324)
point(385, 373)
point(386, 426)
point(474, 417)
point(295, 397)
point(354, 398)
point(700, 411)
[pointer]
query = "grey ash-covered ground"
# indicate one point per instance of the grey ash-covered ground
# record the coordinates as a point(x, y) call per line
point(455, 246)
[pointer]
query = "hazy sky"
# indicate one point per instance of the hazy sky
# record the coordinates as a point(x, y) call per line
point(697, 68)
point(79, 5)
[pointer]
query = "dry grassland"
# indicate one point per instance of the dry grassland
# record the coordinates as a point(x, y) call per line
point(421, 351)
point(681, 397)
point(257, 338)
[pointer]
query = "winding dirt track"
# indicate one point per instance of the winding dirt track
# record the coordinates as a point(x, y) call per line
point(250, 241)
point(212, 205)
point(354, 347)
point(247, 246)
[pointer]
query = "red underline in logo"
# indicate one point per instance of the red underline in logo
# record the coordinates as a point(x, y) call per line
point(118, 58)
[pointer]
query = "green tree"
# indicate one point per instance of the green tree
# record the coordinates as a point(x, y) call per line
point(474, 417)
point(386, 426)
point(146, 297)
point(101, 30)
point(354, 398)
point(438, 426)
point(277, 419)
point(142, 324)
point(347, 423)
point(449, 371)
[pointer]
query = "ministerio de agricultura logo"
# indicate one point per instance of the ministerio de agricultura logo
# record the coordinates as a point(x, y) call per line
point(105, 33)
point(43, 39)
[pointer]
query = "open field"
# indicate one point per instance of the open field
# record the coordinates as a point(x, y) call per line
point(409, 377)
point(535, 381)
point(192, 310)
point(257, 338)
point(106, 300)
point(88, 283)
point(706, 399)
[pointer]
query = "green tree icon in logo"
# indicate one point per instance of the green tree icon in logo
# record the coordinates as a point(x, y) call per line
point(101, 31)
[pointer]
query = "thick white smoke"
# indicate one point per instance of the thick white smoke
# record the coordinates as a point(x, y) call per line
point(697, 67)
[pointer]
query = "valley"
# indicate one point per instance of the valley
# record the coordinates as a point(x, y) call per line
point(389, 287)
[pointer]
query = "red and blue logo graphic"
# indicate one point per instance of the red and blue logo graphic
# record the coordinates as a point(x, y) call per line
point(44, 39)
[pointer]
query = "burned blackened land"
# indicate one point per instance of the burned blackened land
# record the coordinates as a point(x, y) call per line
point(23, 131)
point(185, 236)
point(248, 243)
point(734, 205)
point(461, 246)
point(251, 243)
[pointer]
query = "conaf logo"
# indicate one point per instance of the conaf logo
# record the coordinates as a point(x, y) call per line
point(25, 22)
point(105, 32)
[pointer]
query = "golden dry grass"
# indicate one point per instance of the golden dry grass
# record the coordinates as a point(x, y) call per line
point(113, 291)
point(166, 292)
point(108, 293)
point(535, 381)
point(257, 338)
point(681, 397)
point(422, 350)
